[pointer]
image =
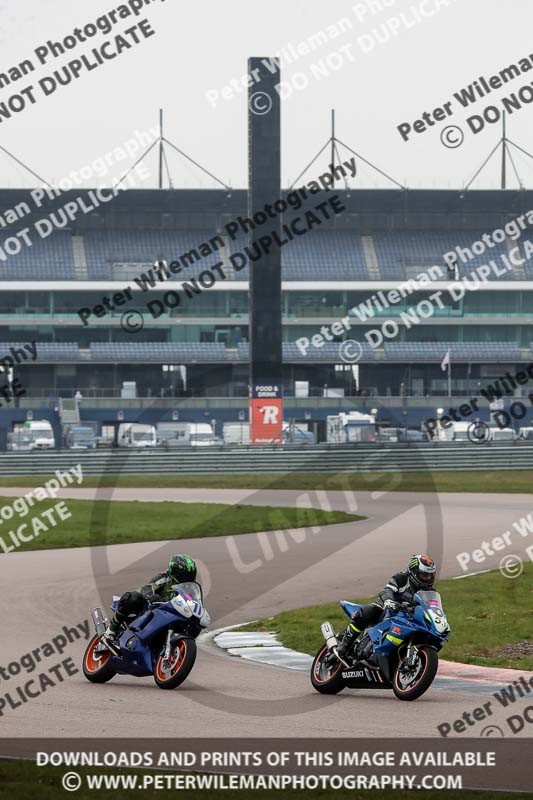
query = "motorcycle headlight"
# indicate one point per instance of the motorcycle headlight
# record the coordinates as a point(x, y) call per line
point(440, 622)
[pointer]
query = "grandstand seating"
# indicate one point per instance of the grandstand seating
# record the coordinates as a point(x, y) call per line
point(459, 351)
point(46, 260)
point(324, 255)
point(102, 248)
point(217, 352)
point(395, 249)
point(146, 352)
point(47, 351)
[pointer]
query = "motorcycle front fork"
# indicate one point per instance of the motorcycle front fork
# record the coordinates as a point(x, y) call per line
point(172, 637)
point(168, 646)
point(411, 657)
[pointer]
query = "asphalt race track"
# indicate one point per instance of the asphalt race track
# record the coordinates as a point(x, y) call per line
point(245, 577)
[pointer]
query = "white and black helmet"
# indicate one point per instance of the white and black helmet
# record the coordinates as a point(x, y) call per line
point(422, 571)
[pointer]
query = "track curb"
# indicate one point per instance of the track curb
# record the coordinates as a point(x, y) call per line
point(284, 657)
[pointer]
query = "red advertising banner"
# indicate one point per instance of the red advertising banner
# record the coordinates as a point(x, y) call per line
point(266, 418)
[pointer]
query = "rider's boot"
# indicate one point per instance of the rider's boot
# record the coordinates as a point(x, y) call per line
point(352, 634)
point(111, 636)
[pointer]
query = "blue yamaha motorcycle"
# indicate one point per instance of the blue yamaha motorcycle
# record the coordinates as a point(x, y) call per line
point(161, 642)
point(399, 653)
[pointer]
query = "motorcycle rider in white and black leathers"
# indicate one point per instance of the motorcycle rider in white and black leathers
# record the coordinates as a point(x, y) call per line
point(420, 575)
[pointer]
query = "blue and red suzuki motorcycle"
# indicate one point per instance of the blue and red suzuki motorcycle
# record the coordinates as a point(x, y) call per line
point(161, 642)
point(399, 653)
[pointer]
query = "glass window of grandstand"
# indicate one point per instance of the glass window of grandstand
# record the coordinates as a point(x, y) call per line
point(354, 299)
point(71, 302)
point(12, 302)
point(314, 304)
point(494, 304)
point(464, 333)
point(207, 304)
point(230, 335)
point(450, 307)
point(25, 331)
point(24, 303)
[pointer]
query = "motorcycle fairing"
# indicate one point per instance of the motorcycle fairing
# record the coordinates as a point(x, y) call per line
point(389, 635)
point(349, 608)
point(135, 650)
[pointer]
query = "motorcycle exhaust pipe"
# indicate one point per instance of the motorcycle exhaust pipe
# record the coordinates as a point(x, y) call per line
point(329, 635)
point(100, 621)
point(331, 641)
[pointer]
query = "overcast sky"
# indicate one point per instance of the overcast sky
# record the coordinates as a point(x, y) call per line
point(202, 45)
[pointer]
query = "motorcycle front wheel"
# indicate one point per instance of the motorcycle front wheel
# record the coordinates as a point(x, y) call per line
point(411, 683)
point(168, 674)
point(326, 672)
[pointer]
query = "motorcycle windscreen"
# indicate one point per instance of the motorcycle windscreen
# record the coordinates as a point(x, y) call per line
point(431, 599)
point(190, 590)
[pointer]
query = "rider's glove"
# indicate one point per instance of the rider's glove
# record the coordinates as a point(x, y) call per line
point(391, 605)
point(155, 598)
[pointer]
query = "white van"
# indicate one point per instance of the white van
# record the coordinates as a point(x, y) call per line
point(134, 434)
point(460, 431)
point(502, 434)
point(186, 434)
point(236, 433)
point(40, 433)
point(352, 427)
point(18, 440)
point(440, 434)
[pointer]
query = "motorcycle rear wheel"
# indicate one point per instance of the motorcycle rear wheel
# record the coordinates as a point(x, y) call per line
point(169, 675)
point(96, 666)
point(326, 680)
point(423, 679)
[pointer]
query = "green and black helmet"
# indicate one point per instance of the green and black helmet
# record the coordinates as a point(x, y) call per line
point(182, 568)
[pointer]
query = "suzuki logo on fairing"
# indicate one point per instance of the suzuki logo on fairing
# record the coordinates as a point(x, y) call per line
point(353, 674)
point(270, 414)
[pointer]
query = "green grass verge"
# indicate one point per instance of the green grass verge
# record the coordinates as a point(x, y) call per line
point(25, 781)
point(103, 522)
point(508, 482)
point(485, 612)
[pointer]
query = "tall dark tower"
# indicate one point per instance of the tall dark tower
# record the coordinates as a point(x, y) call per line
point(264, 149)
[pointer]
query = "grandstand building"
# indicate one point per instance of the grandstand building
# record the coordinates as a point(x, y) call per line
point(196, 351)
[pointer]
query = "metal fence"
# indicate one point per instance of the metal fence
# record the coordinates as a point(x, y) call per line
point(277, 459)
